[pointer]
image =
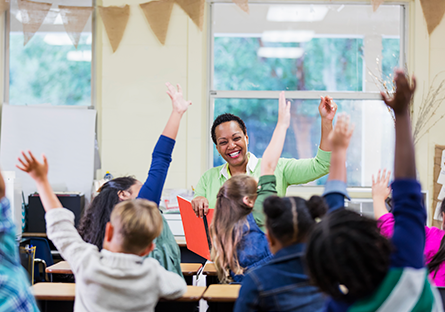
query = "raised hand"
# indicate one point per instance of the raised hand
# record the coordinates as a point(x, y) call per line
point(283, 111)
point(380, 187)
point(179, 104)
point(341, 134)
point(401, 99)
point(29, 164)
point(327, 108)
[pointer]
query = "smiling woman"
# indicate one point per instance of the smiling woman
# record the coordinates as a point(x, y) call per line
point(229, 134)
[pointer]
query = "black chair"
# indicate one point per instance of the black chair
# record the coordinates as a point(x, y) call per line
point(42, 260)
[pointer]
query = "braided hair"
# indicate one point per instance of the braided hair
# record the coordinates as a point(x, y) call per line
point(439, 257)
point(289, 219)
point(346, 254)
point(93, 222)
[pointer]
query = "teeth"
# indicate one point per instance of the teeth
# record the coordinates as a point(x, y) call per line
point(234, 154)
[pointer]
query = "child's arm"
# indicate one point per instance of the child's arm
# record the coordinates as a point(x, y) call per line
point(327, 110)
point(380, 192)
point(339, 138)
point(161, 158)
point(409, 213)
point(170, 285)
point(267, 181)
point(39, 173)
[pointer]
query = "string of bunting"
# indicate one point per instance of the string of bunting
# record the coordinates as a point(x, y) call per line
point(157, 13)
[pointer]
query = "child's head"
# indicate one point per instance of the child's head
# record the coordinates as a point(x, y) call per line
point(346, 254)
point(234, 202)
point(133, 226)
point(290, 219)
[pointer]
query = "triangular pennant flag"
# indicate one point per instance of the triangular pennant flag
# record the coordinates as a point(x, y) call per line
point(433, 10)
point(158, 16)
point(194, 9)
point(376, 4)
point(115, 20)
point(4, 5)
point(243, 4)
point(33, 14)
point(74, 20)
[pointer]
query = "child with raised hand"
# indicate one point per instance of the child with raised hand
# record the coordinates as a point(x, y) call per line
point(15, 292)
point(238, 243)
point(346, 255)
point(281, 284)
point(117, 278)
point(434, 252)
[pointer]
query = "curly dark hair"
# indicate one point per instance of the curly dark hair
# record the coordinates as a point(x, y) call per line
point(92, 225)
point(347, 249)
point(439, 257)
point(226, 118)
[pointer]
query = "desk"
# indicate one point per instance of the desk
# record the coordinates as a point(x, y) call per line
point(181, 241)
point(61, 267)
point(29, 234)
point(221, 297)
point(212, 275)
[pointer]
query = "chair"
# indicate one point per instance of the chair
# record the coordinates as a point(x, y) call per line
point(42, 260)
point(27, 256)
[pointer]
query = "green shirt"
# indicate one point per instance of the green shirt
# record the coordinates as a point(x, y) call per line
point(288, 172)
point(266, 187)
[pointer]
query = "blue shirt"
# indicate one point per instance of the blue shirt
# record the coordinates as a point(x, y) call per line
point(15, 294)
point(280, 285)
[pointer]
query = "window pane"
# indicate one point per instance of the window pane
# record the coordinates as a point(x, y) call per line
point(49, 69)
point(303, 47)
point(371, 146)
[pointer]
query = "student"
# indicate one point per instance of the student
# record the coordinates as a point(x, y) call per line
point(15, 292)
point(230, 137)
point(434, 252)
point(117, 278)
point(346, 255)
point(238, 243)
point(92, 224)
point(281, 284)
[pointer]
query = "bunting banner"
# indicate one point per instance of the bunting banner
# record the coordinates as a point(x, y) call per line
point(115, 21)
point(4, 5)
point(376, 4)
point(158, 16)
point(433, 10)
point(243, 4)
point(33, 14)
point(194, 9)
point(74, 20)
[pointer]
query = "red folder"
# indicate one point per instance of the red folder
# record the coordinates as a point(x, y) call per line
point(196, 229)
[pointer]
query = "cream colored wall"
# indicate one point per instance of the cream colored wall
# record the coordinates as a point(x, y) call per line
point(133, 106)
point(132, 102)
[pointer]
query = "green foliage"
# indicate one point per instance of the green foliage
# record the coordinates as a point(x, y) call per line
point(41, 73)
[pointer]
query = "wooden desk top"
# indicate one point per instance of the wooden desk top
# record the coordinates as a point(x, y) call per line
point(190, 269)
point(181, 241)
point(209, 269)
point(222, 293)
point(67, 292)
point(29, 234)
point(61, 267)
point(54, 291)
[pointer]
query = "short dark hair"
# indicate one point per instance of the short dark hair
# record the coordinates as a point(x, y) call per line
point(290, 219)
point(226, 118)
point(347, 249)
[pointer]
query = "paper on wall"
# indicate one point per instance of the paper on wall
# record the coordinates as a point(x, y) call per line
point(442, 164)
point(437, 214)
point(433, 10)
point(33, 14)
point(158, 16)
point(441, 178)
point(74, 20)
point(441, 195)
point(115, 21)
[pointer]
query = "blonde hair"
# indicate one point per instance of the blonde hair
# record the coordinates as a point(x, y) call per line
point(138, 222)
point(229, 219)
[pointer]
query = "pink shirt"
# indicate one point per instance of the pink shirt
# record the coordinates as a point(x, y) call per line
point(433, 237)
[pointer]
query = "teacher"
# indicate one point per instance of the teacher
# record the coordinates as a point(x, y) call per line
point(230, 137)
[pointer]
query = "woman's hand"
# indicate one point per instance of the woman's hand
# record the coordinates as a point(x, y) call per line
point(380, 187)
point(327, 108)
point(200, 205)
point(37, 170)
point(283, 111)
point(179, 104)
point(341, 135)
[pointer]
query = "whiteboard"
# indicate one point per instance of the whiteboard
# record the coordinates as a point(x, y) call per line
point(65, 135)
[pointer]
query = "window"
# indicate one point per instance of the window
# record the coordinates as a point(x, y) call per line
point(49, 69)
point(345, 51)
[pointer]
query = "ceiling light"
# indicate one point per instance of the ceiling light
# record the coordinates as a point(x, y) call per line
point(287, 36)
point(58, 39)
point(79, 56)
point(296, 13)
point(280, 52)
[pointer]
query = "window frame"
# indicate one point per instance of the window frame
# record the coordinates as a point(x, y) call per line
point(305, 95)
point(7, 28)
